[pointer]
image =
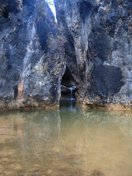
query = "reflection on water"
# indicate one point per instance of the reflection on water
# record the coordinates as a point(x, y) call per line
point(69, 105)
point(66, 143)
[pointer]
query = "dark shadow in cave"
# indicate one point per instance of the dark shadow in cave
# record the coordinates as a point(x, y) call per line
point(5, 12)
point(15, 91)
point(68, 86)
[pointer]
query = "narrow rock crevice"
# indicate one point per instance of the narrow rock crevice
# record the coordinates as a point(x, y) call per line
point(84, 9)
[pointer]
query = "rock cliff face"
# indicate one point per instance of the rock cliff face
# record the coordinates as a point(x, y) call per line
point(31, 55)
point(99, 48)
point(93, 39)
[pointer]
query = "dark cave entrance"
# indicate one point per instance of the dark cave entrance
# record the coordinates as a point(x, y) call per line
point(68, 86)
point(15, 91)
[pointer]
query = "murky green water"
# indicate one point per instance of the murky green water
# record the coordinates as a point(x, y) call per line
point(66, 143)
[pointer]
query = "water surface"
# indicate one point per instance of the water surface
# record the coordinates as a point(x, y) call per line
point(66, 143)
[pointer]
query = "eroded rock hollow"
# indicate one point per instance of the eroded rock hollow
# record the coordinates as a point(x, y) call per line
point(92, 39)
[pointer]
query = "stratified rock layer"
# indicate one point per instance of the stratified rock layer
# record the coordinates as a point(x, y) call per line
point(31, 55)
point(99, 48)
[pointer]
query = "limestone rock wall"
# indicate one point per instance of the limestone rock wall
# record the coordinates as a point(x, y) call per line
point(99, 48)
point(93, 39)
point(31, 54)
